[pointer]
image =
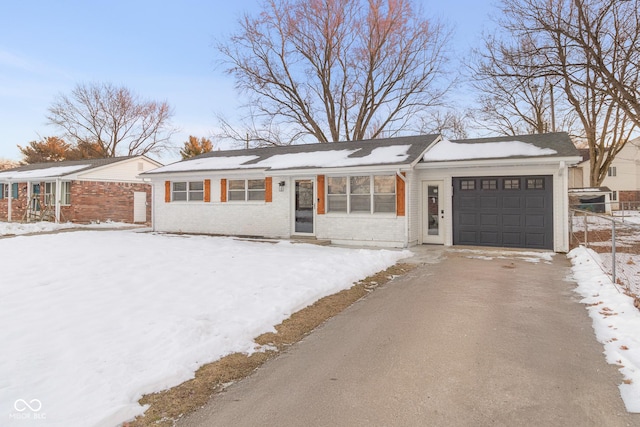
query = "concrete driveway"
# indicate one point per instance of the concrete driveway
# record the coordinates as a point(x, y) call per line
point(467, 339)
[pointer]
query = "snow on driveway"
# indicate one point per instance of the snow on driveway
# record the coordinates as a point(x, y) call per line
point(92, 320)
point(616, 321)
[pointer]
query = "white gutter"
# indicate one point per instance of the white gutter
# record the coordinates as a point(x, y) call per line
point(406, 210)
point(153, 207)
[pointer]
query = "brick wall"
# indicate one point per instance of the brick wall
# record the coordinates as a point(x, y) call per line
point(18, 206)
point(629, 196)
point(90, 202)
point(103, 201)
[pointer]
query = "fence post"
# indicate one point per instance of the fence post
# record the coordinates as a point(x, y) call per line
point(586, 231)
point(613, 250)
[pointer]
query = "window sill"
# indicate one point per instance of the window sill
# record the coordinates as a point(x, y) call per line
point(361, 215)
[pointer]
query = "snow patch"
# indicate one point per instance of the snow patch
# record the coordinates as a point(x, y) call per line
point(92, 320)
point(447, 150)
point(616, 321)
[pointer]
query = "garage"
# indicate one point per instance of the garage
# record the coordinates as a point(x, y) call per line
point(503, 211)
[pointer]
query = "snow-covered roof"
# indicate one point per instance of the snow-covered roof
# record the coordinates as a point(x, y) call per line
point(590, 190)
point(538, 145)
point(390, 151)
point(52, 170)
point(48, 172)
point(448, 150)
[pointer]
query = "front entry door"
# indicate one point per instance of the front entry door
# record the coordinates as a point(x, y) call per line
point(303, 215)
point(432, 212)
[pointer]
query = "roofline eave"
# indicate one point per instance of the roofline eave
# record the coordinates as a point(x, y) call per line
point(510, 161)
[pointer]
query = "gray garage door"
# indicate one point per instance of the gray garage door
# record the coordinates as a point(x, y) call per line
point(514, 211)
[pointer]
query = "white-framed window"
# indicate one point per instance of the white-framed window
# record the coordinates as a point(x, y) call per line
point(384, 193)
point(49, 193)
point(4, 191)
point(337, 194)
point(612, 171)
point(65, 193)
point(361, 194)
point(187, 191)
point(242, 190)
point(614, 196)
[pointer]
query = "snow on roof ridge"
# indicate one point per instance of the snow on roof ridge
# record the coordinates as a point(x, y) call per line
point(53, 171)
point(448, 150)
point(339, 157)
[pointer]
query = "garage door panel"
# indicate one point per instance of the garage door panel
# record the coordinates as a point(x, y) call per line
point(488, 220)
point(468, 238)
point(512, 239)
point(488, 202)
point(535, 202)
point(511, 212)
point(512, 202)
point(534, 240)
point(535, 221)
point(509, 220)
point(489, 237)
point(468, 202)
point(468, 219)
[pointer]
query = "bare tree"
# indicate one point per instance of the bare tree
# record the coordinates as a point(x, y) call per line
point(335, 69)
point(514, 96)
point(112, 118)
point(608, 31)
point(539, 53)
point(449, 123)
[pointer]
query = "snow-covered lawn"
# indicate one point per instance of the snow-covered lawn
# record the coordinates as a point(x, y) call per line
point(616, 321)
point(92, 320)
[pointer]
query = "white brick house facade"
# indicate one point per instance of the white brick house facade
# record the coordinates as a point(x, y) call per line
point(377, 193)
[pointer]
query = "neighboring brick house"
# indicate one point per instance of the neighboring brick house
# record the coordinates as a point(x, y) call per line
point(396, 192)
point(81, 191)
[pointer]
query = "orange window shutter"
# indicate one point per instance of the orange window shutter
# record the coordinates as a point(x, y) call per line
point(167, 191)
point(223, 190)
point(268, 192)
point(400, 195)
point(320, 185)
point(207, 190)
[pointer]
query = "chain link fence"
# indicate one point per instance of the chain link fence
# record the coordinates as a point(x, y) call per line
point(616, 238)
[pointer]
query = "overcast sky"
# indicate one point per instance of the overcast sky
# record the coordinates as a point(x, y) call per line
point(161, 50)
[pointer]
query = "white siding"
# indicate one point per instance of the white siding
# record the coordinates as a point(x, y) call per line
point(228, 218)
point(414, 211)
point(362, 229)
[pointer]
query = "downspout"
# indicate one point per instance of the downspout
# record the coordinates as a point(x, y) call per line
point(405, 244)
point(153, 205)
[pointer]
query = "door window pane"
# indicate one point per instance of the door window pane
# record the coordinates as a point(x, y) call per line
point(433, 208)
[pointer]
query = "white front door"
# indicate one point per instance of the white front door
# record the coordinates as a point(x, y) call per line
point(432, 212)
point(139, 206)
